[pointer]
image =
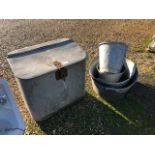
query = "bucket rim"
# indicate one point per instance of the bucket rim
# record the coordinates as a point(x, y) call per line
point(113, 42)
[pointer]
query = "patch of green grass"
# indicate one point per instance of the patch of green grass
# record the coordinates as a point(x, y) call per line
point(145, 43)
point(153, 72)
point(143, 46)
point(147, 56)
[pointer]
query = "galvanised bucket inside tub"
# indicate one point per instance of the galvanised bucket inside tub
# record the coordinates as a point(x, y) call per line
point(110, 92)
point(112, 56)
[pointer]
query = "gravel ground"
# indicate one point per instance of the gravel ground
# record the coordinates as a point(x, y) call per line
point(92, 115)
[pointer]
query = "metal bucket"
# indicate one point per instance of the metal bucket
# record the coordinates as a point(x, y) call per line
point(110, 93)
point(105, 90)
point(107, 77)
point(111, 56)
point(129, 71)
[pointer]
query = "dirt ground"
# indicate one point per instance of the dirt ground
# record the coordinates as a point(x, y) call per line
point(134, 114)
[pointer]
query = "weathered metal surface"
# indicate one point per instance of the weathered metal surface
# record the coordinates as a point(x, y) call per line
point(111, 56)
point(11, 121)
point(50, 76)
point(107, 77)
point(104, 89)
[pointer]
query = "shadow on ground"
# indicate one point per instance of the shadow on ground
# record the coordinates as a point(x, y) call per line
point(132, 114)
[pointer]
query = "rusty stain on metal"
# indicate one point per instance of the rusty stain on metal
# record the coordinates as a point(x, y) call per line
point(61, 73)
point(58, 64)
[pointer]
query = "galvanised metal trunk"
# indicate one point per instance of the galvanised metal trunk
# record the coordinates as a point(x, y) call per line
point(50, 76)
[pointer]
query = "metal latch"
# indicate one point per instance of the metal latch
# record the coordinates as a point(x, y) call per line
point(61, 72)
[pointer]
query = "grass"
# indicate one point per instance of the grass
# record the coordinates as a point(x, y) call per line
point(94, 115)
point(153, 71)
point(146, 42)
point(133, 114)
